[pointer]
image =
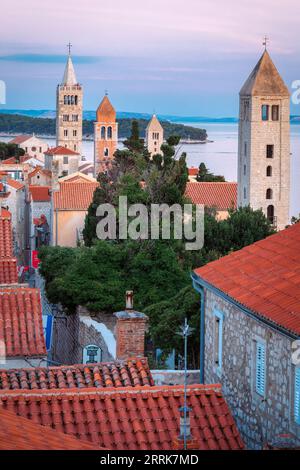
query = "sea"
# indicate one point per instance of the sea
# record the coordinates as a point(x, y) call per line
point(220, 154)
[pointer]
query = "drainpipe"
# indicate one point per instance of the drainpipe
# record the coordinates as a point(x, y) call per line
point(200, 289)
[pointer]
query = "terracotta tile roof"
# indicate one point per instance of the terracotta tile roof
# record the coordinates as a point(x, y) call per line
point(15, 184)
point(263, 277)
point(60, 151)
point(40, 193)
point(20, 139)
point(222, 196)
point(74, 196)
point(37, 170)
point(18, 433)
point(21, 326)
point(132, 372)
point(6, 242)
point(8, 271)
point(193, 171)
point(130, 418)
point(15, 161)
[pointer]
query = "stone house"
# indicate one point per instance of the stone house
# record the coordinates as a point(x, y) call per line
point(220, 196)
point(32, 145)
point(154, 136)
point(250, 323)
point(39, 214)
point(40, 177)
point(70, 206)
point(62, 161)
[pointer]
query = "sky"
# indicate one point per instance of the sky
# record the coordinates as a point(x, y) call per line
point(186, 58)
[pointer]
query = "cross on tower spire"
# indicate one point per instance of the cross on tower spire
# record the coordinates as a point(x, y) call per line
point(265, 42)
point(69, 47)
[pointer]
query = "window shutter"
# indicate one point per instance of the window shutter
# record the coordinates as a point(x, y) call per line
point(297, 396)
point(260, 368)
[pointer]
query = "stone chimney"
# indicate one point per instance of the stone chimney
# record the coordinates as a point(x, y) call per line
point(130, 331)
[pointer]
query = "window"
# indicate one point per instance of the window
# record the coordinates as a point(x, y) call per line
point(109, 132)
point(40, 150)
point(269, 193)
point(270, 214)
point(245, 149)
point(106, 152)
point(66, 160)
point(75, 117)
point(245, 193)
point(74, 133)
point(260, 368)
point(270, 151)
point(275, 112)
point(76, 99)
point(218, 328)
point(269, 170)
point(102, 132)
point(265, 112)
point(245, 169)
point(33, 149)
point(75, 148)
point(297, 396)
point(65, 133)
point(65, 117)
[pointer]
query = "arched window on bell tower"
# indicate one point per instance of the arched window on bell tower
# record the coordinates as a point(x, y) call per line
point(269, 193)
point(109, 132)
point(269, 170)
point(270, 213)
point(103, 132)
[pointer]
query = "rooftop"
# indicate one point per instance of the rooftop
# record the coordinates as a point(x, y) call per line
point(40, 193)
point(263, 277)
point(74, 196)
point(20, 139)
point(21, 326)
point(130, 418)
point(60, 151)
point(264, 80)
point(106, 112)
point(222, 196)
point(6, 243)
point(18, 433)
point(132, 372)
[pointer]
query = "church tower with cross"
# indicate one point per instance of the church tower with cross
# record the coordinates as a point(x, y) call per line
point(69, 96)
point(105, 135)
point(264, 143)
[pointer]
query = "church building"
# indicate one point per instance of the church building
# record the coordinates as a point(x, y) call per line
point(105, 135)
point(154, 136)
point(69, 96)
point(264, 143)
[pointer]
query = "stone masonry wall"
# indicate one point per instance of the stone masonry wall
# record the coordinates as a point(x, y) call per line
point(259, 419)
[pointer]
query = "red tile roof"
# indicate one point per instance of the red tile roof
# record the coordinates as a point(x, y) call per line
point(263, 277)
point(37, 170)
point(222, 196)
point(40, 193)
point(18, 433)
point(6, 242)
point(193, 171)
point(106, 112)
point(21, 326)
point(15, 161)
point(130, 418)
point(20, 139)
point(74, 196)
point(15, 184)
point(132, 372)
point(60, 151)
point(8, 271)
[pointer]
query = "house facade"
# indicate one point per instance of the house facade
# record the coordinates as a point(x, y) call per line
point(250, 322)
point(33, 146)
point(62, 161)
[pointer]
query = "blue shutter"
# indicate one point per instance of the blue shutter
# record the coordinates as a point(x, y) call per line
point(260, 368)
point(297, 396)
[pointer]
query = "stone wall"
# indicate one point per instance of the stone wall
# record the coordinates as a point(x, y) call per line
point(175, 377)
point(259, 419)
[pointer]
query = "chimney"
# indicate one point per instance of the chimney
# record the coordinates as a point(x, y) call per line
point(130, 331)
point(185, 439)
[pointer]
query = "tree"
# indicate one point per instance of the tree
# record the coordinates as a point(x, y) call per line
point(134, 143)
point(205, 175)
point(10, 150)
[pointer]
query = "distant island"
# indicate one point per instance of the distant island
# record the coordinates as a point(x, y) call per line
point(45, 126)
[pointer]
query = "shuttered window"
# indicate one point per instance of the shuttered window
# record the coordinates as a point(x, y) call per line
point(297, 396)
point(260, 368)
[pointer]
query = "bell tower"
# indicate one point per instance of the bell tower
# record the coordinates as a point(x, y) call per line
point(105, 135)
point(264, 143)
point(69, 96)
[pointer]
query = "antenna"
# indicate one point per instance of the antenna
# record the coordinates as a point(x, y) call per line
point(185, 432)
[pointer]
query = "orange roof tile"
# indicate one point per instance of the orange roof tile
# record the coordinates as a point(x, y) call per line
point(21, 326)
point(132, 372)
point(193, 171)
point(6, 242)
point(74, 196)
point(8, 271)
point(263, 277)
point(130, 418)
point(18, 433)
point(15, 184)
point(60, 151)
point(37, 170)
point(20, 139)
point(40, 193)
point(222, 196)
